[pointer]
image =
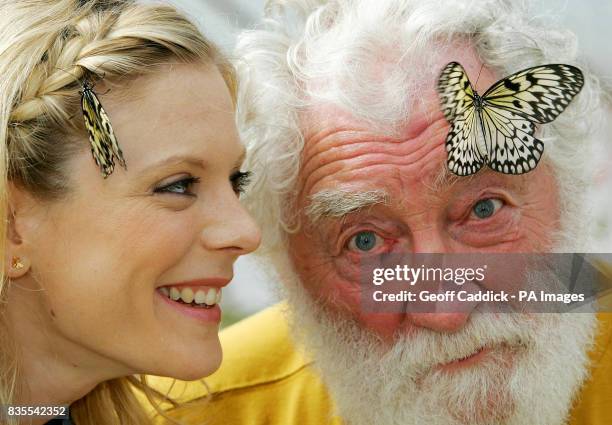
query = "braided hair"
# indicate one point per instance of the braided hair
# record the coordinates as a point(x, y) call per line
point(48, 49)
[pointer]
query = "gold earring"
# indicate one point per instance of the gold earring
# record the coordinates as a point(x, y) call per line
point(17, 264)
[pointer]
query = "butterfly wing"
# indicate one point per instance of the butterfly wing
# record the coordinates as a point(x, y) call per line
point(455, 91)
point(457, 99)
point(462, 144)
point(104, 145)
point(540, 93)
point(510, 142)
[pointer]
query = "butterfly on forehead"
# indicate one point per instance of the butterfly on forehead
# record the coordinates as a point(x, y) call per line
point(498, 127)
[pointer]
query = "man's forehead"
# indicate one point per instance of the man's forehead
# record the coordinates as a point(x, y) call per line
point(341, 148)
point(341, 156)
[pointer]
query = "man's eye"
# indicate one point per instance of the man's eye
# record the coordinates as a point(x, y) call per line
point(364, 241)
point(179, 187)
point(485, 208)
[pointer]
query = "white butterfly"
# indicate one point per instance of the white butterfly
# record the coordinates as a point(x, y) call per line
point(497, 128)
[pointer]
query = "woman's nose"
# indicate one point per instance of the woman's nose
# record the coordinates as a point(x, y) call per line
point(233, 229)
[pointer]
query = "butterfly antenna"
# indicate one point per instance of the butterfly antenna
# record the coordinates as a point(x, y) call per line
point(478, 78)
point(82, 81)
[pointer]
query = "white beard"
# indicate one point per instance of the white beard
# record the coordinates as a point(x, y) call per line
point(374, 384)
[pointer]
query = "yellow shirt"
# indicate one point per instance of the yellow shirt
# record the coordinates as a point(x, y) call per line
point(264, 380)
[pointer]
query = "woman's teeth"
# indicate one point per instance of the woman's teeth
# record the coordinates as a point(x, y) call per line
point(203, 297)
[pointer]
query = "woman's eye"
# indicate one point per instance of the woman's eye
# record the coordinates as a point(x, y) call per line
point(180, 187)
point(485, 208)
point(364, 241)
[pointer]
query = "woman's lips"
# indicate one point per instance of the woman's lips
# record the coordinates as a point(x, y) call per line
point(208, 314)
point(197, 298)
point(217, 282)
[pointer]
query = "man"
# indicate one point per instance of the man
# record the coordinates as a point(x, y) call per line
point(340, 110)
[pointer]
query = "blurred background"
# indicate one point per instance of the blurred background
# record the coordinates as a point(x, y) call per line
point(591, 20)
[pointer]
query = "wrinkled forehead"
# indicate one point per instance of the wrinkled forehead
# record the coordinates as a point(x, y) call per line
point(343, 146)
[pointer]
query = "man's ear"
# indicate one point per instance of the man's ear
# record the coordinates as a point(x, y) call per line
point(18, 221)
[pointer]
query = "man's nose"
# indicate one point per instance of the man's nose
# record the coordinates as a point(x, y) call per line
point(232, 229)
point(440, 322)
point(445, 316)
point(428, 240)
point(446, 313)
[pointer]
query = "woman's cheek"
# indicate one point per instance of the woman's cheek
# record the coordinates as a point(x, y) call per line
point(168, 233)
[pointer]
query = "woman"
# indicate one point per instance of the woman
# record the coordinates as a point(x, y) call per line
point(121, 167)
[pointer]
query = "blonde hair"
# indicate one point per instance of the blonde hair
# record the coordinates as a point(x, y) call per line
point(47, 50)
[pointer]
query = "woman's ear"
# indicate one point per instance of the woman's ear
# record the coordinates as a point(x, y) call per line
point(20, 206)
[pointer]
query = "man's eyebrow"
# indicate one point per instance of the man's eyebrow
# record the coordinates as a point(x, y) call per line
point(443, 179)
point(336, 203)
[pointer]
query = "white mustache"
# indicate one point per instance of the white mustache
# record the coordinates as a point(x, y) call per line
point(423, 350)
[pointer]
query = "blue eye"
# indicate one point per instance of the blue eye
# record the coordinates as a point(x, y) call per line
point(363, 241)
point(179, 187)
point(485, 208)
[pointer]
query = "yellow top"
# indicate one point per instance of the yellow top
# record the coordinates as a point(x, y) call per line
point(265, 380)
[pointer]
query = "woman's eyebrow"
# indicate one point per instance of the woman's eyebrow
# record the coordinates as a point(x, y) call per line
point(177, 159)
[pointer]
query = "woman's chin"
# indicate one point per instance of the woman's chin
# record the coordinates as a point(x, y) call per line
point(191, 367)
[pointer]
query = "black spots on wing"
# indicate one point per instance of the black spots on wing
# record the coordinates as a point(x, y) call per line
point(511, 86)
point(89, 118)
point(466, 85)
point(531, 78)
point(517, 104)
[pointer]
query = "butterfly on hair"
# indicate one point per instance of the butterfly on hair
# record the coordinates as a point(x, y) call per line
point(104, 145)
point(498, 127)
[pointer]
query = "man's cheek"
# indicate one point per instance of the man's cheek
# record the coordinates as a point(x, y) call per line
point(329, 276)
point(538, 230)
point(336, 281)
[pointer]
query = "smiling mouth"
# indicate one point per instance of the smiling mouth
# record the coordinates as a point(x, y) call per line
point(200, 297)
